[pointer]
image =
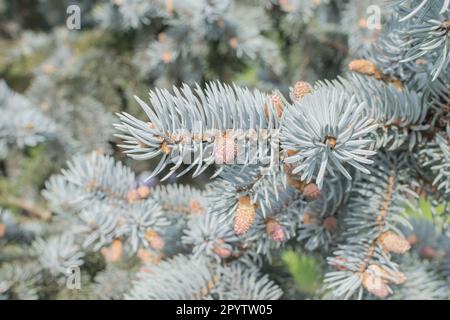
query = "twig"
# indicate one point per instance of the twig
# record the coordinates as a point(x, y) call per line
point(32, 208)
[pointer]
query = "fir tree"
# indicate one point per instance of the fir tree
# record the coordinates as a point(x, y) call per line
point(262, 134)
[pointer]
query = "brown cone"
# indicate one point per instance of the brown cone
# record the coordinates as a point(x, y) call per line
point(244, 216)
point(154, 239)
point(275, 230)
point(311, 191)
point(392, 242)
point(365, 67)
point(113, 252)
point(301, 89)
point(375, 284)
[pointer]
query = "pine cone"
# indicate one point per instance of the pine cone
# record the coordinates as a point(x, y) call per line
point(154, 239)
point(113, 252)
point(143, 191)
point(428, 252)
point(365, 67)
point(375, 284)
point(301, 89)
point(275, 230)
point(244, 216)
point(221, 250)
point(311, 191)
point(277, 103)
point(392, 242)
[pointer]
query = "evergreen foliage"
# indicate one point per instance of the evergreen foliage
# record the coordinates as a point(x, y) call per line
point(264, 139)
